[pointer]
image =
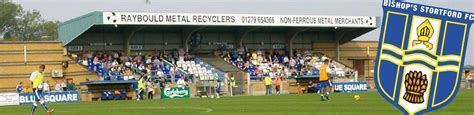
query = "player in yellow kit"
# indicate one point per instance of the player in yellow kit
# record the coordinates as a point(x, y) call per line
point(141, 87)
point(37, 79)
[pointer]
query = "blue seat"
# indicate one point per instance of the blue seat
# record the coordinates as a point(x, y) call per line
point(178, 76)
point(106, 77)
point(90, 66)
point(123, 94)
point(253, 75)
point(107, 95)
point(111, 95)
point(103, 95)
point(118, 77)
point(315, 72)
point(96, 67)
point(100, 70)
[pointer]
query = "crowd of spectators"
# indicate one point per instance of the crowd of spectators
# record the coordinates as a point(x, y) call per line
point(58, 86)
point(117, 66)
point(276, 63)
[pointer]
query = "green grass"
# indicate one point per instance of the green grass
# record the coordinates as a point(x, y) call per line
point(340, 103)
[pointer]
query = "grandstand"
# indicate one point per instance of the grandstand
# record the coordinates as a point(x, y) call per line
point(19, 59)
point(169, 38)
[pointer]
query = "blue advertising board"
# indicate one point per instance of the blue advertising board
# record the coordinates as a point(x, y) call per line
point(52, 97)
point(350, 86)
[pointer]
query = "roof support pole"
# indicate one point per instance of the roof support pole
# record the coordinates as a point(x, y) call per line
point(242, 33)
point(186, 35)
point(128, 37)
point(291, 35)
point(126, 44)
point(338, 56)
point(339, 35)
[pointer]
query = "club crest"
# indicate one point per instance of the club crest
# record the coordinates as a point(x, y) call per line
point(420, 56)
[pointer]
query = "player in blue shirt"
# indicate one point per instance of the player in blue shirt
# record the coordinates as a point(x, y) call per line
point(218, 89)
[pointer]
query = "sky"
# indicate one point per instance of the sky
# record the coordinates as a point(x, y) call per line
point(64, 10)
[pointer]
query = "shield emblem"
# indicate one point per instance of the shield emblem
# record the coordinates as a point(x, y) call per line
point(420, 57)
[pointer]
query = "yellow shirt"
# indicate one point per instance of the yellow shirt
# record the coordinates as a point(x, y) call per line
point(268, 81)
point(141, 85)
point(37, 78)
point(323, 74)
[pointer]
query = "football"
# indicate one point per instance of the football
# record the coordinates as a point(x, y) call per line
point(356, 98)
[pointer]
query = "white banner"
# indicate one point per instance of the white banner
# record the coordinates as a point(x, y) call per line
point(65, 96)
point(9, 99)
point(131, 18)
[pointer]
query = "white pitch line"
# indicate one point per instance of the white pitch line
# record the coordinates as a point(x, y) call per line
point(205, 110)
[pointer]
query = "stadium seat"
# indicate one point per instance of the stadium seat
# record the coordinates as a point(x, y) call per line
point(118, 77)
point(100, 70)
point(253, 75)
point(103, 95)
point(123, 94)
point(107, 95)
point(315, 72)
point(97, 66)
point(106, 77)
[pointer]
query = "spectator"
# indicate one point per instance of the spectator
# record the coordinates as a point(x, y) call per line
point(299, 88)
point(150, 89)
point(58, 87)
point(116, 94)
point(63, 85)
point(26, 89)
point(84, 62)
point(46, 86)
point(469, 79)
point(128, 75)
point(71, 86)
point(292, 62)
point(218, 89)
point(310, 85)
point(277, 83)
point(19, 87)
point(181, 83)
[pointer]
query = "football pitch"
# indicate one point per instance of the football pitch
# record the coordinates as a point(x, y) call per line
point(292, 104)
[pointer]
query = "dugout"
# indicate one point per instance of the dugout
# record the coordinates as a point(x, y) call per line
point(197, 33)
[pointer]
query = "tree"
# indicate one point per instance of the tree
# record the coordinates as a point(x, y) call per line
point(28, 27)
point(18, 24)
point(49, 30)
point(9, 13)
